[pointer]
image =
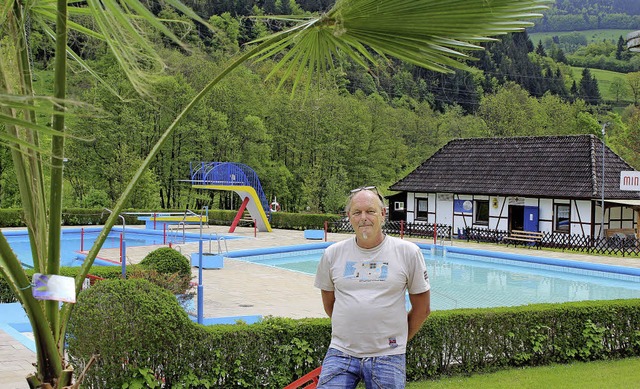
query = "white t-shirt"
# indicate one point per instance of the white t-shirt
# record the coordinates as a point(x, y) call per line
point(369, 315)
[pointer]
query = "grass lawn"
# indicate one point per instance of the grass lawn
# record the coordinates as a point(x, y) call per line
point(623, 373)
point(591, 35)
point(604, 77)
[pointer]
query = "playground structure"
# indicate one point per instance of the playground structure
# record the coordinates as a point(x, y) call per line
point(240, 179)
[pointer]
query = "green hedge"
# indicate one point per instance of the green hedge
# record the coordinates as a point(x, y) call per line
point(83, 217)
point(98, 216)
point(466, 341)
point(277, 351)
point(300, 221)
point(11, 218)
point(282, 220)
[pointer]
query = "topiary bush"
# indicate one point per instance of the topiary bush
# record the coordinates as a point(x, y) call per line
point(166, 260)
point(168, 269)
point(133, 325)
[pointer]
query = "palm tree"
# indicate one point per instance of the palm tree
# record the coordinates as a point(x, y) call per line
point(434, 34)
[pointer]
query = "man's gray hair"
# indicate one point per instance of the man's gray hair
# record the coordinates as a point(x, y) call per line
point(347, 207)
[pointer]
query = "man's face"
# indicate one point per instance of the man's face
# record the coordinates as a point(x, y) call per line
point(366, 215)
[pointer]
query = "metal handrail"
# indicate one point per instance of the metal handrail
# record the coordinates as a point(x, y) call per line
point(123, 221)
point(222, 239)
point(176, 231)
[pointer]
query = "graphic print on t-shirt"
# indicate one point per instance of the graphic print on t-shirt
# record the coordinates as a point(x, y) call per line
point(366, 271)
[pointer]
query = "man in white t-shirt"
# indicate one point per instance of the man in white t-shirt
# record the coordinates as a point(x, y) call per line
point(363, 282)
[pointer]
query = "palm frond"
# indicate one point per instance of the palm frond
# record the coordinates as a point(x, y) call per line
point(433, 34)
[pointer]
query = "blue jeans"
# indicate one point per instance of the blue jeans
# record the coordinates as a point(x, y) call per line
point(343, 371)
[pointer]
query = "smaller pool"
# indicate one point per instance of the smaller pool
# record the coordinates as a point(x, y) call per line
point(75, 241)
point(465, 278)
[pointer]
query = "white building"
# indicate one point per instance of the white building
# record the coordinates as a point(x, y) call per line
point(548, 184)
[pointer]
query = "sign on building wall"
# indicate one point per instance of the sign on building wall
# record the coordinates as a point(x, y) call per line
point(462, 206)
point(630, 180)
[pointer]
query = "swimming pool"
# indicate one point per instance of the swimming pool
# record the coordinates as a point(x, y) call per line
point(465, 278)
point(74, 240)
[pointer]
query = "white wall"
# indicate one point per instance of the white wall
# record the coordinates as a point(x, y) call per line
point(441, 211)
point(581, 212)
point(545, 215)
point(411, 207)
point(499, 215)
point(444, 208)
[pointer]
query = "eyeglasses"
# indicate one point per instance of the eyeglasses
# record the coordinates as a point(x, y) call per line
point(373, 188)
point(369, 188)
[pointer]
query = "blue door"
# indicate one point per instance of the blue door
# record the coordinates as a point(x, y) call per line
point(530, 218)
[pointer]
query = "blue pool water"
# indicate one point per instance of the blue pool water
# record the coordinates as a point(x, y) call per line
point(469, 280)
point(73, 240)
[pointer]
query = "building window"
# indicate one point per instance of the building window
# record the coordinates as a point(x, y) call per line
point(422, 209)
point(481, 212)
point(563, 217)
point(398, 206)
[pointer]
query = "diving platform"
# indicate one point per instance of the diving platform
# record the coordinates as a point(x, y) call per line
point(240, 179)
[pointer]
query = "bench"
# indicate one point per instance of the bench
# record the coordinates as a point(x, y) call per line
point(621, 237)
point(620, 232)
point(516, 236)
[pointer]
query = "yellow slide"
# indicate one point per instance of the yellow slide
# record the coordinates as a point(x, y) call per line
point(254, 207)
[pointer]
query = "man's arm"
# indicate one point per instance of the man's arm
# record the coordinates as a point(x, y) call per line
point(420, 310)
point(328, 299)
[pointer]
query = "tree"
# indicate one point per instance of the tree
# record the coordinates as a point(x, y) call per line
point(633, 80)
point(627, 141)
point(409, 30)
point(540, 49)
point(226, 32)
point(588, 88)
point(574, 89)
point(557, 54)
point(622, 53)
point(618, 88)
point(510, 111)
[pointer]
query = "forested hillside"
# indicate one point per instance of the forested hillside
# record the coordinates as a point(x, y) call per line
point(576, 15)
point(358, 128)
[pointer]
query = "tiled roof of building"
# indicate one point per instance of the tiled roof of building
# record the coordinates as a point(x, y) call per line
point(542, 166)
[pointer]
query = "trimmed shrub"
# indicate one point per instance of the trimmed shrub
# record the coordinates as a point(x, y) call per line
point(168, 269)
point(132, 324)
point(166, 260)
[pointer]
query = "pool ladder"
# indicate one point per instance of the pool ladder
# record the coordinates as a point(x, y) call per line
point(442, 240)
point(220, 240)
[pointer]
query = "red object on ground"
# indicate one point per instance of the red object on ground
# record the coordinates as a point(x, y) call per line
point(236, 220)
point(307, 381)
point(435, 233)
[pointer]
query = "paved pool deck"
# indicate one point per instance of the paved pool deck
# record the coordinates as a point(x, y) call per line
point(242, 289)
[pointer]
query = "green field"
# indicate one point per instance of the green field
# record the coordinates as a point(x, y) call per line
point(592, 35)
point(604, 77)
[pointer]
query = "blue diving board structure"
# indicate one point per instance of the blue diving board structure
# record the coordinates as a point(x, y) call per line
point(239, 178)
